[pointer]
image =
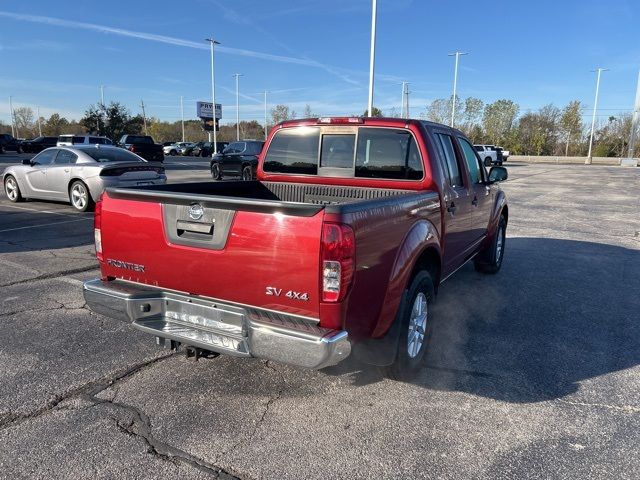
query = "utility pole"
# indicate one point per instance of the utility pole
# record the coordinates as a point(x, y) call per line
point(144, 116)
point(593, 118)
point(102, 94)
point(39, 123)
point(237, 75)
point(13, 128)
point(213, 43)
point(634, 122)
point(404, 85)
point(372, 56)
point(182, 115)
point(265, 116)
point(455, 84)
point(406, 100)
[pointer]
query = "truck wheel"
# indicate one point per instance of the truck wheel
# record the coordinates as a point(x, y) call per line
point(415, 330)
point(215, 171)
point(247, 174)
point(490, 259)
point(12, 190)
point(80, 196)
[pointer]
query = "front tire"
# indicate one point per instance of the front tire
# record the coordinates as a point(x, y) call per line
point(172, 153)
point(12, 190)
point(80, 197)
point(415, 315)
point(247, 174)
point(490, 259)
point(215, 171)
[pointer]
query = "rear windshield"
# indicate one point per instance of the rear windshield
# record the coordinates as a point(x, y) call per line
point(389, 153)
point(139, 139)
point(112, 155)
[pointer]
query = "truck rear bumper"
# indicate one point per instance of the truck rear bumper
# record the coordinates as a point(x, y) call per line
point(219, 326)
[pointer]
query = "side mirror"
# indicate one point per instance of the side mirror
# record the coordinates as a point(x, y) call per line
point(26, 161)
point(498, 174)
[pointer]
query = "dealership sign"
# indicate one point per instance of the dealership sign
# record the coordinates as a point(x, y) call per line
point(204, 110)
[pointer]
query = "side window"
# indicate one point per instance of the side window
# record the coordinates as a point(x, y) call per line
point(65, 157)
point(46, 157)
point(77, 140)
point(444, 143)
point(473, 162)
point(387, 153)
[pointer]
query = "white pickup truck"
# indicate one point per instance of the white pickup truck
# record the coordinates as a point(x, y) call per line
point(490, 154)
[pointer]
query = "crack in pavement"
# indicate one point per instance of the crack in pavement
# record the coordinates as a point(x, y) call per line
point(47, 276)
point(618, 408)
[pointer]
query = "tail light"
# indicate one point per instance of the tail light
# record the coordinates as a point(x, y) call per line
point(97, 224)
point(340, 120)
point(338, 261)
point(132, 148)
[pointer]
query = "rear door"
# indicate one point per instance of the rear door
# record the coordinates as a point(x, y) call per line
point(457, 199)
point(480, 191)
point(59, 173)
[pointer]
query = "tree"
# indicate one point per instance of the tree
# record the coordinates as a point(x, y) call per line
point(55, 125)
point(471, 114)
point(112, 121)
point(498, 119)
point(308, 113)
point(280, 113)
point(571, 123)
point(439, 111)
point(24, 122)
point(376, 112)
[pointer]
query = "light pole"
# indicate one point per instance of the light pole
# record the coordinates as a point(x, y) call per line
point(455, 84)
point(213, 42)
point(14, 128)
point(634, 122)
point(102, 94)
point(372, 57)
point(237, 75)
point(595, 108)
point(265, 116)
point(182, 115)
point(404, 84)
point(39, 123)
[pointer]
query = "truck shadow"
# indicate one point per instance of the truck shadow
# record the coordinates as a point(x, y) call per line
point(559, 313)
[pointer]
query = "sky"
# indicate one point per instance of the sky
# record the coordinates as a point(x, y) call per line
point(55, 55)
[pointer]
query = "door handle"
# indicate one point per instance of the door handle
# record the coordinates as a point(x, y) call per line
point(452, 208)
point(66, 170)
point(474, 202)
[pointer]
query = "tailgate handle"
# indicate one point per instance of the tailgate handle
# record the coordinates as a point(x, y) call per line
point(189, 229)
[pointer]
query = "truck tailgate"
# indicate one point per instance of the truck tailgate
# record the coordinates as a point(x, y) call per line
point(262, 258)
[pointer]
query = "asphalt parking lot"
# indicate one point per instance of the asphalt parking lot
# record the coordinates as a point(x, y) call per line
point(532, 373)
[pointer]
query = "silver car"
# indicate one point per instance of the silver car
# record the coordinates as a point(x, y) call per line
point(79, 174)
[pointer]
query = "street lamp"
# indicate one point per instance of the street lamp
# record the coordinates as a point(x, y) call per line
point(237, 75)
point(372, 57)
point(595, 108)
point(455, 84)
point(265, 116)
point(213, 42)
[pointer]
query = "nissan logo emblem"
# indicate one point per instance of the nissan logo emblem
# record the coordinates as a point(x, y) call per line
point(196, 211)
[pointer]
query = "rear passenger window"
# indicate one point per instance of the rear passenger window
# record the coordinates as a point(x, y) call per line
point(293, 150)
point(387, 153)
point(65, 157)
point(444, 144)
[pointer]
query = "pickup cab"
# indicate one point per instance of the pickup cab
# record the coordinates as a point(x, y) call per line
point(490, 154)
point(337, 249)
point(143, 146)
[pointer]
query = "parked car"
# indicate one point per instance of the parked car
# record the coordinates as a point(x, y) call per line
point(168, 144)
point(339, 248)
point(9, 143)
point(238, 159)
point(205, 149)
point(71, 140)
point(490, 154)
point(144, 146)
point(38, 144)
point(79, 174)
point(186, 148)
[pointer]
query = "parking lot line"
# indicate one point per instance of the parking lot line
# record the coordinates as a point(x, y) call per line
point(46, 211)
point(44, 225)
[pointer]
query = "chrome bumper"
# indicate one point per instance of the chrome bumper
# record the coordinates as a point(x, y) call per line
point(219, 327)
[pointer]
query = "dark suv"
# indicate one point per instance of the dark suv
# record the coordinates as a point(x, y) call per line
point(239, 159)
point(205, 149)
point(7, 142)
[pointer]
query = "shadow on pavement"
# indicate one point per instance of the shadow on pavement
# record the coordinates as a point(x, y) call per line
point(560, 312)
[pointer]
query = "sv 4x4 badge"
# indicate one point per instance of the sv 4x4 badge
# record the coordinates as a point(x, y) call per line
point(277, 292)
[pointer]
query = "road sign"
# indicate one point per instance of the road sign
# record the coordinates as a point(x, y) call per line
point(204, 110)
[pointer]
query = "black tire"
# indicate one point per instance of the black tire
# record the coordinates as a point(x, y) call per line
point(247, 173)
point(408, 361)
point(78, 187)
point(172, 153)
point(10, 183)
point(216, 174)
point(490, 259)
point(1, 149)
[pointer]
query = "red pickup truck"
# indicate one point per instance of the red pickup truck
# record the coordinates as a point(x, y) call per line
point(338, 248)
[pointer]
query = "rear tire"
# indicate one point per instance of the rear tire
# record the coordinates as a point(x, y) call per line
point(80, 197)
point(172, 153)
point(490, 259)
point(247, 174)
point(415, 315)
point(216, 174)
point(12, 190)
